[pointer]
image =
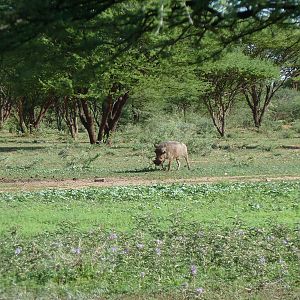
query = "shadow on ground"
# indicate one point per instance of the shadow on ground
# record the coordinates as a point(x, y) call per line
point(12, 149)
point(144, 170)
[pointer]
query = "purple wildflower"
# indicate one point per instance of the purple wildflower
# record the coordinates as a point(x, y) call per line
point(201, 234)
point(193, 270)
point(262, 260)
point(158, 251)
point(241, 232)
point(113, 249)
point(18, 251)
point(199, 291)
point(113, 236)
point(76, 250)
point(158, 242)
point(140, 246)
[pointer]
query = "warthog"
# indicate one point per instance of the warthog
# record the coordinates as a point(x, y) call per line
point(170, 150)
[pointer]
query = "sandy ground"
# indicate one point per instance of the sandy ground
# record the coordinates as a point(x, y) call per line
point(32, 185)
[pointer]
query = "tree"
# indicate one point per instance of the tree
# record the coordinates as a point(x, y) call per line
point(227, 77)
point(274, 49)
point(5, 104)
point(22, 20)
point(224, 82)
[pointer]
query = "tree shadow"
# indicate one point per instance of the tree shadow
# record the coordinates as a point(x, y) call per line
point(12, 149)
point(136, 171)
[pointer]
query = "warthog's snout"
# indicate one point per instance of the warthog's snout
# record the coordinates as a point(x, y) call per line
point(157, 162)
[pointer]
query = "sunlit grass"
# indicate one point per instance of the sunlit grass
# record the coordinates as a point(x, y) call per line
point(244, 154)
point(155, 242)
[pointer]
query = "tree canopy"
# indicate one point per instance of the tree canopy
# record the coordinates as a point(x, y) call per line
point(87, 59)
point(23, 20)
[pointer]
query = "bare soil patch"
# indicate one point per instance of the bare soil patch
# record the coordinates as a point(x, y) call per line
point(17, 185)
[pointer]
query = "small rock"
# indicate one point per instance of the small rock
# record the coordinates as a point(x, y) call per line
point(99, 179)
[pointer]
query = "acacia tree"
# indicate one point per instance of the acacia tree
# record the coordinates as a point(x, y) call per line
point(226, 79)
point(258, 96)
point(224, 83)
point(274, 49)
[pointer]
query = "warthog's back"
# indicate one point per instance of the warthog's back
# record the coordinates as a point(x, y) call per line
point(174, 149)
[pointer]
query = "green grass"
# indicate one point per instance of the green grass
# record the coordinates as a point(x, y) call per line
point(117, 208)
point(56, 156)
point(141, 242)
point(234, 241)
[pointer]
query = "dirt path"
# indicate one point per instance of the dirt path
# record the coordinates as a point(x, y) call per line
point(32, 185)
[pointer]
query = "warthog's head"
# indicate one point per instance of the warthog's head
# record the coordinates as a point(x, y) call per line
point(160, 155)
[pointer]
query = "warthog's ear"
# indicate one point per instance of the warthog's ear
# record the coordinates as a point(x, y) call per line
point(156, 145)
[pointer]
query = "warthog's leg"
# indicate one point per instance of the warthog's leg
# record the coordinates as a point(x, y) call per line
point(178, 164)
point(187, 162)
point(169, 165)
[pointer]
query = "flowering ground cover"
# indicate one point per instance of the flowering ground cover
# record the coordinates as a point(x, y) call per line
point(218, 241)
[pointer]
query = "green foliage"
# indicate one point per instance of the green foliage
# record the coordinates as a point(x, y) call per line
point(245, 66)
point(286, 106)
point(296, 126)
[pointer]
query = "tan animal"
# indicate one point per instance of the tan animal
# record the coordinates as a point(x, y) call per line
point(170, 150)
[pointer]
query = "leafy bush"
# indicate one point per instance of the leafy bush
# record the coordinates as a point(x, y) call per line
point(296, 126)
point(286, 105)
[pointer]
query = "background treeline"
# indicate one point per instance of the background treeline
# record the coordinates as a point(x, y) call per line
point(94, 74)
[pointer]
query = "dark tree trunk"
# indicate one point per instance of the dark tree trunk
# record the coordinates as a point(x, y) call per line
point(218, 110)
point(258, 97)
point(5, 110)
point(111, 113)
point(59, 116)
point(70, 116)
point(86, 119)
point(43, 110)
point(26, 114)
point(20, 111)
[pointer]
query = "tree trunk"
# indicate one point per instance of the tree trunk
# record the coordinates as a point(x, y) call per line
point(5, 110)
point(70, 116)
point(218, 116)
point(258, 97)
point(86, 119)
point(43, 110)
point(111, 113)
point(20, 111)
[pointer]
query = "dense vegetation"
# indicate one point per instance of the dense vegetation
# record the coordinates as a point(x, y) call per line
point(82, 68)
point(184, 241)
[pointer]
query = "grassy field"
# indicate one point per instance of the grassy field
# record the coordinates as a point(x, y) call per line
point(162, 241)
point(219, 241)
point(56, 157)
